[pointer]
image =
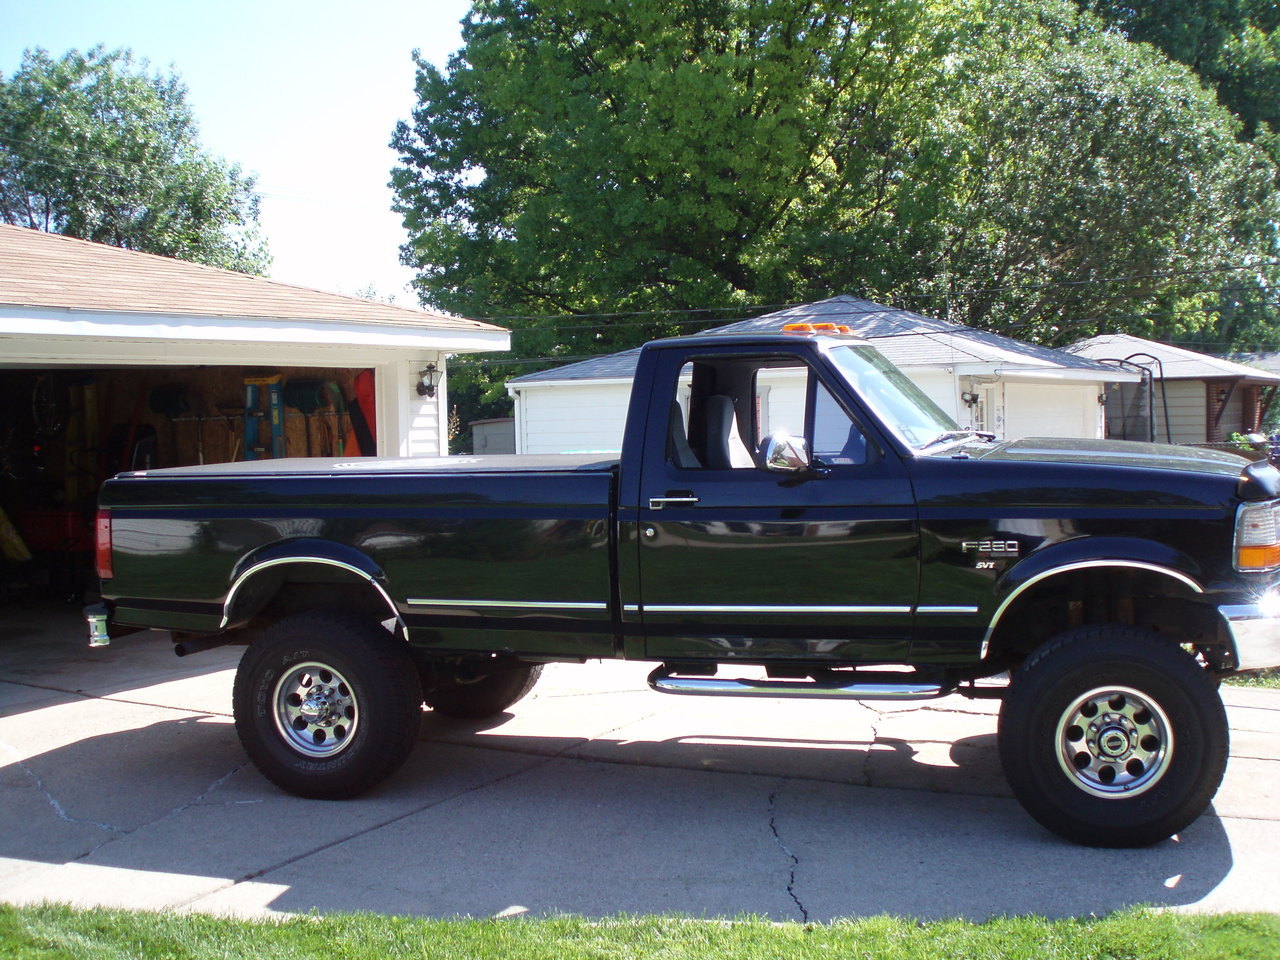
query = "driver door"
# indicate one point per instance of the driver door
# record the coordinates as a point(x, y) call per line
point(736, 561)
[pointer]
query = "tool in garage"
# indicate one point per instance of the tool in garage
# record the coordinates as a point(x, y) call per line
point(360, 408)
point(305, 396)
point(231, 411)
point(252, 416)
point(340, 407)
point(170, 400)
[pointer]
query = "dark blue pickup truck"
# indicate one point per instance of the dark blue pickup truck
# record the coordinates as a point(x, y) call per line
point(790, 517)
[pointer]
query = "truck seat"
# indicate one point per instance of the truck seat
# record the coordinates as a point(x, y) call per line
point(725, 449)
point(681, 453)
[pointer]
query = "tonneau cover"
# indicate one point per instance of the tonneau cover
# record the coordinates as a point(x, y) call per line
point(321, 466)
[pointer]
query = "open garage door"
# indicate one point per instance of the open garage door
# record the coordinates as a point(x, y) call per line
point(65, 430)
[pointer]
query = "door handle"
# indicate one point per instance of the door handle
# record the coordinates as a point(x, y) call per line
point(657, 503)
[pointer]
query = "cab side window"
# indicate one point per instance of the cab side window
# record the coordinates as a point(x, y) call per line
point(725, 409)
point(836, 439)
point(792, 400)
point(704, 428)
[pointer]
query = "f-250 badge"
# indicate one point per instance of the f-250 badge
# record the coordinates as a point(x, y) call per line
point(995, 549)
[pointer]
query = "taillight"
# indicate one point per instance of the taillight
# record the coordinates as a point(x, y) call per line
point(1257, 537)
point(102, 544)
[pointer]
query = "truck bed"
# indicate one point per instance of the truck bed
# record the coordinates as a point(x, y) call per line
point(451, 543)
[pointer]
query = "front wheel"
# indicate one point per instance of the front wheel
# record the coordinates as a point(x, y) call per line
point(1111, 736)
point(326, 706)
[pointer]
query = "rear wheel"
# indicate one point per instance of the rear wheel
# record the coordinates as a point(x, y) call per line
point(477, 689)
point(327, 705)
point(1111, 736)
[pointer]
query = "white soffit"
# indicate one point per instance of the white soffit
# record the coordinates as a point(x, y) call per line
point(35, 335)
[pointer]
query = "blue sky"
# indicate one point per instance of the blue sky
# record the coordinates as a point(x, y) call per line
point(305, 95)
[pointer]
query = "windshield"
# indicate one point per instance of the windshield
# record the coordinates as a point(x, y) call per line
point(900, 404)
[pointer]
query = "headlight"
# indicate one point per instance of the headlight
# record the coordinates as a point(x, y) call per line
point(1257, 537)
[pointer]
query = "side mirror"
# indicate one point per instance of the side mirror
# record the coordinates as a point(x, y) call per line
point(786, 454)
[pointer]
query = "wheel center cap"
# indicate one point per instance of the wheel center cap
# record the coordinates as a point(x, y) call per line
point(1114, 742)
point(315, 708)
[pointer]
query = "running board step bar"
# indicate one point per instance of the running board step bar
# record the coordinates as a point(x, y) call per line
point(662, 681)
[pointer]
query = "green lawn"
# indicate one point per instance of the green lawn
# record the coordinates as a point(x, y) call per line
point(57, 932)
point(1268, 679)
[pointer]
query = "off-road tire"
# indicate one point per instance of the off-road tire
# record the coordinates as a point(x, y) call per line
point(1112, 736)
point(327, 705)
point(477, 691)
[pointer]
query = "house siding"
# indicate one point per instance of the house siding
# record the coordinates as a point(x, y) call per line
point(1188, 416)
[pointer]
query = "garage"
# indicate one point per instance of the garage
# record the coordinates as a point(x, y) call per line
point(114, 360)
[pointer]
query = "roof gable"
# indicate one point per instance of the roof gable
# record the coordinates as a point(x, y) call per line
point(1172, 363)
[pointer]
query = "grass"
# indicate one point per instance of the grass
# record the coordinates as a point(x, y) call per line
point(1266, 679)
point(52, 932)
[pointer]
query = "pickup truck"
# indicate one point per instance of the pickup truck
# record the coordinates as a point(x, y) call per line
point(790, 517)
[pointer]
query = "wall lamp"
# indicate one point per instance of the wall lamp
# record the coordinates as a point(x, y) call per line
point(427, 380)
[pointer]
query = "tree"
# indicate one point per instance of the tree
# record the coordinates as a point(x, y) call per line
point(1231, 44)
point(95, 147)
point(1004, 163)
point(1234, 47)
point(589, 157)
point(1097, 187)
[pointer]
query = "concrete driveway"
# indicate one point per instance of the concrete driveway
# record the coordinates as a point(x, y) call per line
point(122, 783)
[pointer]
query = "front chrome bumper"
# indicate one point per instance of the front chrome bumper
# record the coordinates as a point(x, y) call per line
point(1255, 634)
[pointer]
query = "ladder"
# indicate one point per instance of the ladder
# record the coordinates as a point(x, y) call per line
point(253, 450)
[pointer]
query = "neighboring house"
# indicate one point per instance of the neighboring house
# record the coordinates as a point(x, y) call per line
point(98, 342)
point(981, 379)
point(1186, 397)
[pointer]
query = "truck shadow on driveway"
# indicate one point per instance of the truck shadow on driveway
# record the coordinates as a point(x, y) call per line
point(543, 825)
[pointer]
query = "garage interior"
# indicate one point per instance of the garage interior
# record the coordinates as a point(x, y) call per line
point(64, 431)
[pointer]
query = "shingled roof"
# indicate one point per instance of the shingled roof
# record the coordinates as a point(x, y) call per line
point(1169, 362)
point(908, 339)
point(51, 271)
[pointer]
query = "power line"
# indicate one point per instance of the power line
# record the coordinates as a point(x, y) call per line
point(854, 313)
point(940, 295)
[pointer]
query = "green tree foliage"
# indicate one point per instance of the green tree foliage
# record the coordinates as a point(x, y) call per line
point(1010, 164)
point(1232, 44)
point(93, 146)
point(602, 156)
point(1094, 186)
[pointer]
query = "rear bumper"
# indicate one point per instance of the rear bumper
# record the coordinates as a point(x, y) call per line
point(1254, 629)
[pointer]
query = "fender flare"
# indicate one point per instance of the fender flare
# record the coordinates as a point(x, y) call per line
point(1094, 553)
point(304, 551)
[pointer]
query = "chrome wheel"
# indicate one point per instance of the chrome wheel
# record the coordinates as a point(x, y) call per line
point(1114, 742)
point(315, 710)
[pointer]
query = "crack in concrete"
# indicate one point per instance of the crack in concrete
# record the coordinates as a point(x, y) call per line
point(194, 801)
point(871, 745)
point(57, 807)
point(117, 833)
point(791, 855)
